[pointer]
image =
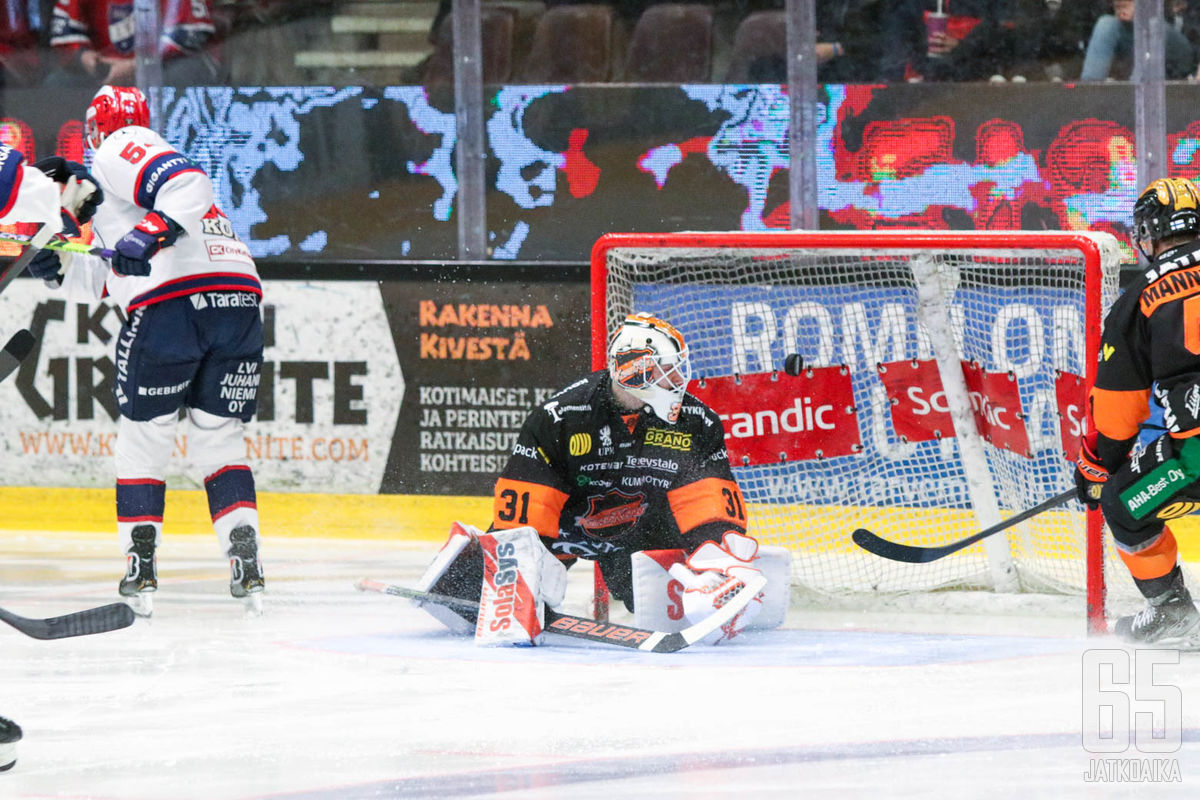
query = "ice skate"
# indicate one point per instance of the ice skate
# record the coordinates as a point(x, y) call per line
point(141, 572)
point(10, 734)
point(1169, 620)
point(246, 578)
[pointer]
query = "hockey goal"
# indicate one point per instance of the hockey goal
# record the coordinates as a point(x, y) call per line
point(942, 390)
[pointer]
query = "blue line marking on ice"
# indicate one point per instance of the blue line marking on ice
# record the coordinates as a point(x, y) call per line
point(778, 648)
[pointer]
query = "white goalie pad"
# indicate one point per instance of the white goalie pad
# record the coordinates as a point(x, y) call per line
point(658, 598)
point(520, 578)
point(462, 545)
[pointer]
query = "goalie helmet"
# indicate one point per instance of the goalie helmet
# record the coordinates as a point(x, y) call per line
point(1167, 207)
point(648, 358)
point(113, 108)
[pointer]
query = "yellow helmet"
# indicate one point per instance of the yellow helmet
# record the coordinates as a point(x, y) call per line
point(1167, 207)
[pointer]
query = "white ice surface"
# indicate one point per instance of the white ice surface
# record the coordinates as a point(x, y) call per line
point(339, 694)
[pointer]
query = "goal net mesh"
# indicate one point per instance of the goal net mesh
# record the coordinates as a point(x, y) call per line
point(1019, 310)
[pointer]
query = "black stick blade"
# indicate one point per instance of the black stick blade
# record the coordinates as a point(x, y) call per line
point(20, 345)
point(895, 551)
point(111, 617)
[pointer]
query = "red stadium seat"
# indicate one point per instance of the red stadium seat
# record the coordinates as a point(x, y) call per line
point(572, 44)
point(759, 51)
point(671, 43)
point(497, 24)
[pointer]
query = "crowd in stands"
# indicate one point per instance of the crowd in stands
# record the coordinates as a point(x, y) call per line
point(86, 43)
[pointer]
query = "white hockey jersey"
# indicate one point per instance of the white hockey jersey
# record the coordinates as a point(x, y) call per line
point(139, 172)
point(26, 193)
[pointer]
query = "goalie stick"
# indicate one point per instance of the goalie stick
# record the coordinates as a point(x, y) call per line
point(914, 554)
point(602, 632)
point(111, 617)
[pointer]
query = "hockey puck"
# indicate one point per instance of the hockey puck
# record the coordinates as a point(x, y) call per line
point(10, 734)
point(793, 364)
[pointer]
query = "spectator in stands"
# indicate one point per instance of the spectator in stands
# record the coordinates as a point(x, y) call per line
point(18, 44)
point(862, 41)
point(972, 47)
point(1049, 37)
point(1110, 48)
point(858, 41)
point(95, 41)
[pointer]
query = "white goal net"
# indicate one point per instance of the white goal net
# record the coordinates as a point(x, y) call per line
point(942, 391)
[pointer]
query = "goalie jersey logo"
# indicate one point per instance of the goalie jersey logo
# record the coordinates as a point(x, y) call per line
point(611, 513)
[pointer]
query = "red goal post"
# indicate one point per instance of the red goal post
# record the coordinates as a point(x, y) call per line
point(944, 380)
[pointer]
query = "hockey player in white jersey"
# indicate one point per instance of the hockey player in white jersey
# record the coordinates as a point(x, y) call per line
point(29, 195)
point(192, 339)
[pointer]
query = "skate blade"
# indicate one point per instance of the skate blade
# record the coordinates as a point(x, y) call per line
point(8, 755)
point(252, 607)
point(142, 604)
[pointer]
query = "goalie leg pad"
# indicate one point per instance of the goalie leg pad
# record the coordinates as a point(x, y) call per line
point(457, 571)
point(658, 598)
point(520, 577)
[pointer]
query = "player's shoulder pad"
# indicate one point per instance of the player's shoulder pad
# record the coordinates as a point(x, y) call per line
point(577, 397)
point(139, 158)
point(695, 412)
point(11, 173)
point(580, 390)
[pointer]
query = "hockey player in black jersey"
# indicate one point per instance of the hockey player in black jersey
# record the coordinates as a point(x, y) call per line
point(622, 461)
point(1151, 347)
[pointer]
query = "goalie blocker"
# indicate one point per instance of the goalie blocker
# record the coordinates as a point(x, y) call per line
point(515, 577)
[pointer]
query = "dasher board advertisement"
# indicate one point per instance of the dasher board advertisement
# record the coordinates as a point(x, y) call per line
point(329, 392)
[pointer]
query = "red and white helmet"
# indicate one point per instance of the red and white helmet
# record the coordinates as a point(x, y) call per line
point(648, 358)
point(113, 108)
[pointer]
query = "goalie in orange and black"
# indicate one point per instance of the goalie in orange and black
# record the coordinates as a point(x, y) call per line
point(620, 461)
point(1151, 348)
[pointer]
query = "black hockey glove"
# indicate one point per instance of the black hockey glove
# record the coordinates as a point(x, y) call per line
point(80, 193)
point(135, 249)
point(1090, 474)
point(48, 264)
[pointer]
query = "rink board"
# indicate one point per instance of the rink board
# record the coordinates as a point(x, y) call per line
point(427, 518)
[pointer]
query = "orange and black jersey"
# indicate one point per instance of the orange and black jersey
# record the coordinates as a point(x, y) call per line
point(595, 480)
point(1151, 337)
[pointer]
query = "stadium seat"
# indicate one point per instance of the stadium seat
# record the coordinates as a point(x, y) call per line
point(572, 44)
point(497, 24)
point(759, 51)
point(671, 43)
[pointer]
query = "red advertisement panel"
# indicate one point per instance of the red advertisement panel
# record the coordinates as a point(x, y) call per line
point(1071, 393)
point(920, 411)
point(918, 404)
point(996, 403)
point(772, 416)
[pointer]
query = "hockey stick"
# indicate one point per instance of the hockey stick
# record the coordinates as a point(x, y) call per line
point(913, 554)
point(81, 623)
point(35, 242)
point(603, 632)
point(20, 345)
point(61, 245)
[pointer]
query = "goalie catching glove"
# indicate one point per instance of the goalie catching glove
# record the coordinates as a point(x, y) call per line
point(712, 575)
